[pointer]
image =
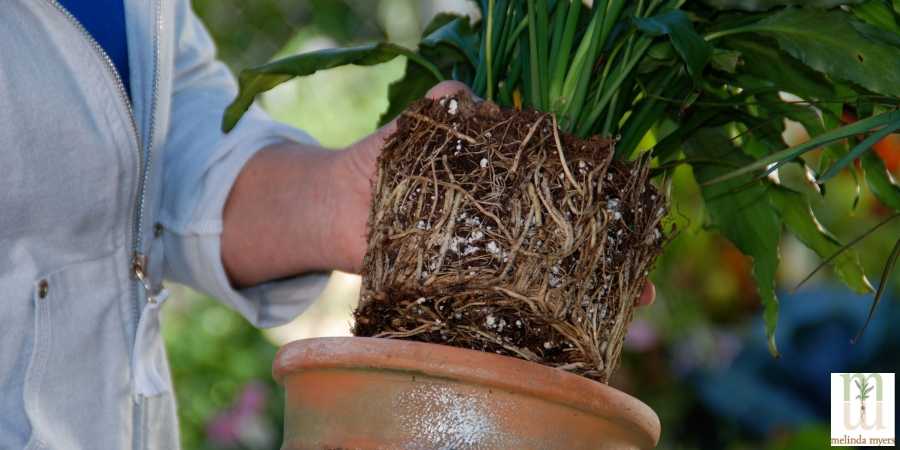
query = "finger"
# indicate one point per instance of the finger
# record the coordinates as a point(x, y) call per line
point(648, 295)
point(440, 90)
point(448, 88)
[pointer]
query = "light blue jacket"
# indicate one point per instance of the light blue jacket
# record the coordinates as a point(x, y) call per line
point(97, 192)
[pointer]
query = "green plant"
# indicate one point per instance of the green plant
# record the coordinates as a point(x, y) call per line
point(698, 83)
point(864, 390)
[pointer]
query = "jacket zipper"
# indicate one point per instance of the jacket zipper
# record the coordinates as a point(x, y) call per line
point(138, 261)
point(140, 270)
point(144, 161)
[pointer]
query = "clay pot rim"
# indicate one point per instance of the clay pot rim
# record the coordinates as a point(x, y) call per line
point(471, 367)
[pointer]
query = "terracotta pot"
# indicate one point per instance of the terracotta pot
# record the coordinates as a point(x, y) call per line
point(366, 393)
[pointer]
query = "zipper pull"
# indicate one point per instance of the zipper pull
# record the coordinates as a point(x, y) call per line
point(139, 270)
point(138, 265)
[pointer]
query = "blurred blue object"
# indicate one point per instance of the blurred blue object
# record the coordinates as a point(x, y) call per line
point(761, 394)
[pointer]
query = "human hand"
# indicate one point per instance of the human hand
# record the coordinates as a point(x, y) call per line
point(266, 236)
point(357, 164)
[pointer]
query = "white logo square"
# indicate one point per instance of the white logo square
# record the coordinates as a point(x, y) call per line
point(863, 408)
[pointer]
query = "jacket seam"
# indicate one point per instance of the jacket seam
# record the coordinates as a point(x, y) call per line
point(42, 342)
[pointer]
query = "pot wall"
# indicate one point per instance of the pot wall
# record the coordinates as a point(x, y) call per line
point(362, 393)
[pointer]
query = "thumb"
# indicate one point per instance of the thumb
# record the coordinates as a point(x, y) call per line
point(448, 88)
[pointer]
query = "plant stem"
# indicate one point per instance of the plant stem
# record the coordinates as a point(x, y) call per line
point(611, 89)
point(535, 68)
point(744, 29)
point(561, 62)
point(488, 48)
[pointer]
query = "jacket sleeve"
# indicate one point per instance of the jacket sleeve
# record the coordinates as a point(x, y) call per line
point(200, 166)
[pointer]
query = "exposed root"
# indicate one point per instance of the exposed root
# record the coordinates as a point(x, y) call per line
point(491, 230)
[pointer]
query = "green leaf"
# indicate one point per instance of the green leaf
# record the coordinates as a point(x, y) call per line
point(885, 275)
point(848, 246)
point(832, 118)
point(844, 132)
point(765, 119)
point(859, 149)
point(667, 147)
point(725, 60)
point(450, 43)
point(878, 13)
point(610, 89)
point(439, 20)
point(740, 210)
point(543, 25)
point(575, 87)
point(537, 49)
point(880, 181)
point(762, 58)
point(489, 41)
point(502, 63)
point(456, 33)
point(414, 84)
point(695, 51)
point(562, 53)
point(877, 34)
point(828, 42)
point(763, 5)
point(260, 79)
point(794, 210)
point(649, 110)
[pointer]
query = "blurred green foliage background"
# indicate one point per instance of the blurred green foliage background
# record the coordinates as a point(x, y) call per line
point(697, 356)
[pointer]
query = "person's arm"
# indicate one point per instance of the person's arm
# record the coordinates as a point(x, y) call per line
point(297, 208)
point(199, 169)
point(294, 208)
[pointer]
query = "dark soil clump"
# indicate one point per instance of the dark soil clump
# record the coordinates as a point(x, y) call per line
point(491, 230)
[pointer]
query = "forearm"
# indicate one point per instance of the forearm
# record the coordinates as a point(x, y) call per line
point(281, 215)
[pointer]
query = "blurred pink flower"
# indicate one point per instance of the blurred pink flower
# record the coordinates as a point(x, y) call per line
point(641, 336)
point(242, 424)
point(223, 429)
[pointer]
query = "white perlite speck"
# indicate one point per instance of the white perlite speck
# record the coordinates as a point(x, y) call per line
point(484, 163)
point(453, 108)
point(613, 204)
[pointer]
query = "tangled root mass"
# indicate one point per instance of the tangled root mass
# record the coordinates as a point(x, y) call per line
point(493, 231)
